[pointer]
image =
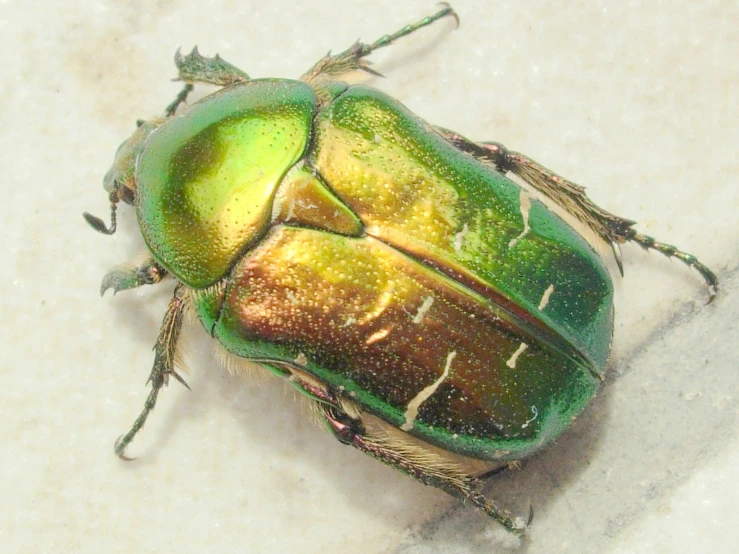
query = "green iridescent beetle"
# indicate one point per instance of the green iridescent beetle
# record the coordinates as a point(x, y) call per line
point(441, 318)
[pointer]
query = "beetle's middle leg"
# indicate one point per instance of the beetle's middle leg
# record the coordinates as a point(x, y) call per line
point(165, 354)
point(426, 467)
point(572, 198)
point(353, 58)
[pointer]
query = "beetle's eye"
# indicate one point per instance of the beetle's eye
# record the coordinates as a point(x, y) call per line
point(126, 193)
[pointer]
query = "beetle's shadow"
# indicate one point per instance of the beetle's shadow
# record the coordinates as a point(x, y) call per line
point(540, 483)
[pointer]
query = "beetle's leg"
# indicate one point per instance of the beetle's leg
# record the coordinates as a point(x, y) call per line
point(124, 278)
point(194, 68)
point(444, 476)
point(165, 352)
point(352, 59)
point(572, 198)
point(171, 108)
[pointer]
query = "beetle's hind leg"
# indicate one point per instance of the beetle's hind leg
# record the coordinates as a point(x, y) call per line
point(425, 466)
point(353, 58)
point(572, 198)
point(195, 68)
point(165, 355)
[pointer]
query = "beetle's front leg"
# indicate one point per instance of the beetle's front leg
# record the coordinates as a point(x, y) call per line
point(572, 198)
point(423, 466)
point(194, 68)
point(165, 354)
point(353, 58)
point(124, 278)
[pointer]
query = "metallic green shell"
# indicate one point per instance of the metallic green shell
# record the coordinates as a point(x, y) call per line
point(445, 300)
point(414, 190)
point(207, 178)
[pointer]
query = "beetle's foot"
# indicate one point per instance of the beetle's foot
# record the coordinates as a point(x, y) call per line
point(170, 110)
point(515, 524)
point(123, 441)
point(611, 228)
point(124, 278)
point(415, 461)
point(165, 351)
point(120, 449)
point(572, 198)
point(352, 59)
point(194, 68)
point(648, 243)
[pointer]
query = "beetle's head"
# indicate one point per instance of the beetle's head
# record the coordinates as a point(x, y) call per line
point(120, 180)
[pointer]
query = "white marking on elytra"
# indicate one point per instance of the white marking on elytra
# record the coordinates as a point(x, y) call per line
point(372, 230)
point(377, 335)
point(383, 301)
point(351, 320)
point(528, 421)
point(303, 204)
point(514, 358)
point(459, 237)
point(301, 360)
point(545, 297)
point(291, 296)
point(306, 205)
point(423, 309)
point(414, 405)
point(525, 201)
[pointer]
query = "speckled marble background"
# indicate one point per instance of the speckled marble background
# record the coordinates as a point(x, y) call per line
point(639, 101)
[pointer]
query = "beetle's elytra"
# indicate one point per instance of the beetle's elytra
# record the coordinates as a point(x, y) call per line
point(441, 318)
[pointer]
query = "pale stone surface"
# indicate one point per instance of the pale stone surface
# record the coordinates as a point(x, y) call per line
point(635, 100)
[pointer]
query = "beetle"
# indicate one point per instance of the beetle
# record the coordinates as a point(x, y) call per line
point(437, 313)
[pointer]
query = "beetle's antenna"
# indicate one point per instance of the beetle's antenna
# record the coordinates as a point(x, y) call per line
point(97, 223)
